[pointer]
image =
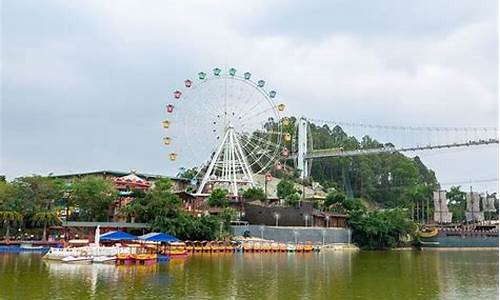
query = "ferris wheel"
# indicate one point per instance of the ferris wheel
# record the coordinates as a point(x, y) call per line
point(229, 126)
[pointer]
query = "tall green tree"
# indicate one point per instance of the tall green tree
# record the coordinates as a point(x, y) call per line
point(93, 196)
point(45, 219)
point(285, 189)
point(254, 193)
point(456, 204)
point(218, 198)
point(10, 218)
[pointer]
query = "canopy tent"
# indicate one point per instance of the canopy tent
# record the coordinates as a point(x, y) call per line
point(158, 237)
point(117, 236)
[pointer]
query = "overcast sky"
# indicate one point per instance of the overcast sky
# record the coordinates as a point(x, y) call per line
point(84, 83)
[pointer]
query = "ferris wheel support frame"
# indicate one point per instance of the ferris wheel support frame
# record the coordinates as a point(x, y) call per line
point(236, 169)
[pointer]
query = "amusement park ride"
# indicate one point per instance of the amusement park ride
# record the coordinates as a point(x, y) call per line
point(232, 126)
point(231, 120)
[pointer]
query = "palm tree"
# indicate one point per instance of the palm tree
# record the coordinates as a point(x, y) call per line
point(10, 218)
point(45, 218)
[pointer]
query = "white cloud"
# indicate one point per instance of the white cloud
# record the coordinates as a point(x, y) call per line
point(124, 50)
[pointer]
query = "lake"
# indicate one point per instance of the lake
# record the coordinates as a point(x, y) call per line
point(326, 275)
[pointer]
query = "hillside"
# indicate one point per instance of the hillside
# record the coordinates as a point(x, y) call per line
point(388, 179)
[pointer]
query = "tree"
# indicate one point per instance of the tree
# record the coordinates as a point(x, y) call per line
point(285, 188)
point(39, 191)
point(93, 196)
point(45, 219)
point(9, 219)
point(254, 193)
point(218, 198)
point(292, 199)
point(381, 229)
point(334, 197)
point(456, 204)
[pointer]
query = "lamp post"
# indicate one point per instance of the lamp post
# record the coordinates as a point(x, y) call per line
point(295, 235)
point(276, 217)
point(327, 219)
point(306, 217)
point(261, 232)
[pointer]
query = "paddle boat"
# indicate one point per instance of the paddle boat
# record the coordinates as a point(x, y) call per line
point(308, 247)
point(198, 247)
point(266, 247)
point(189, 246)
point(175, 249)
point(248, 247)
point(275, 247)
point(205, 247)
point(145, 258)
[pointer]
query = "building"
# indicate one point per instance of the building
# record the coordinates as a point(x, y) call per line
point(125, 183)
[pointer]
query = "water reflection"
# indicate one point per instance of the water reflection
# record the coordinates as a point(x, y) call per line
point(332, 275)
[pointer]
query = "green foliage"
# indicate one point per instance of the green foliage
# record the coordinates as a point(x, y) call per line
point(292, 199)
point(286, 189)
point(187, 173)
point(456, 204)
point(381, 229)
point(384, 178)
point(7, 196)
point(254, 193)
point(45, 219)
point(162, 209)
point(218, 198)
point(334, 197)
point(9, 219)
point(34, 193)
point(94, 196)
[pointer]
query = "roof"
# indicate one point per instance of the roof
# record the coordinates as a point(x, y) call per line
point(132, 180)
point(158, 237)
point(117, 236)
point(146, 176)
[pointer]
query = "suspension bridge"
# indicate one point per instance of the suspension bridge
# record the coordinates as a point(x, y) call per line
point(403, 139)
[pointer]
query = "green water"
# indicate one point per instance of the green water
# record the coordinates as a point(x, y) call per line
point(332, 275)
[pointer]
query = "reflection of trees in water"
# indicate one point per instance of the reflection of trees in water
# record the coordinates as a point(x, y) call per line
point(90, 280)
point(263, 276)
point(327, 275)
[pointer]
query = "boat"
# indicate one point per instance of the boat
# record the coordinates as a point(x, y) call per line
point(248, 247)
point(205, 247)
point(308, 247)
point(474, 232)
point(125, 258)
point(266, 247)
point(77, 259)
point(146, 258)
point(198, 247)
point(290, 248)
point(471, 236)
point(104, 259)
point(283, 248)
point(175, 249)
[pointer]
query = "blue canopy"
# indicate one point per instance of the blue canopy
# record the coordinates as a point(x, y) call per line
point(117, 236)
point(158, 237)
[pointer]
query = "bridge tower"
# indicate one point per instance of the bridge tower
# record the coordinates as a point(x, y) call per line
point(302, 146)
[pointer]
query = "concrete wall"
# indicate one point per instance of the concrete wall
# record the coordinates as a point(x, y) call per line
point(296, 234)
point(288, 216)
